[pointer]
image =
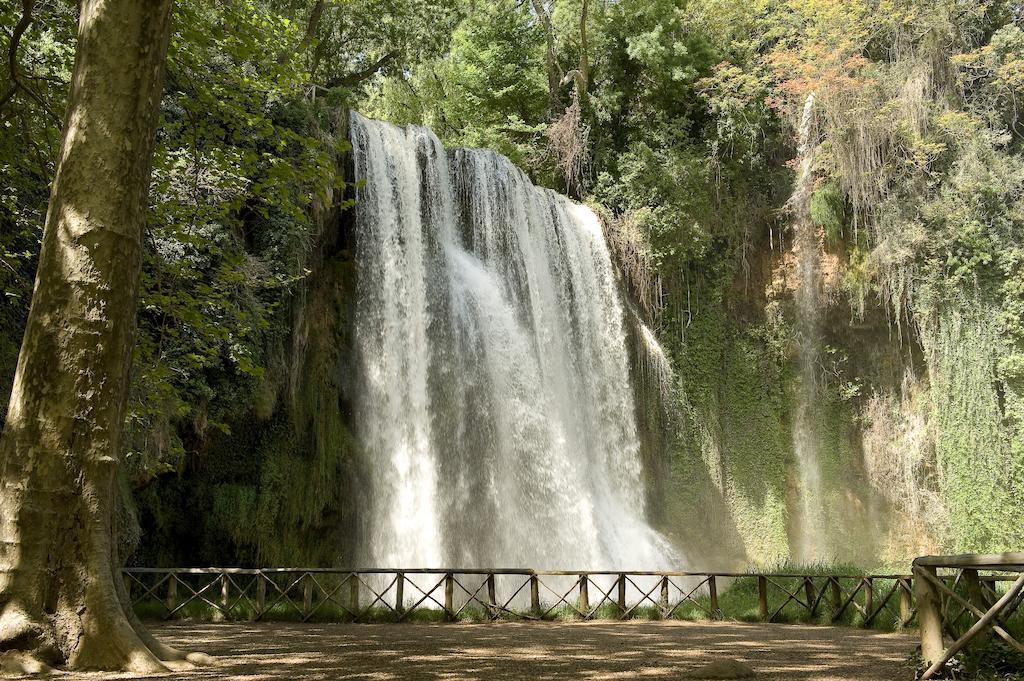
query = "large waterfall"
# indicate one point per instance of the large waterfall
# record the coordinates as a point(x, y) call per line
point(494, 401)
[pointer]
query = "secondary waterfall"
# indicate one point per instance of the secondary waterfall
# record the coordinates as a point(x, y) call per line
point(494, 400)
point(811, 545)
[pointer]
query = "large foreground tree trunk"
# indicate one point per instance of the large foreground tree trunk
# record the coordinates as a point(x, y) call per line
point(61, 597)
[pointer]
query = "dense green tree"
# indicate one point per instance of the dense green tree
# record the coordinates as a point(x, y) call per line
point(488, 90)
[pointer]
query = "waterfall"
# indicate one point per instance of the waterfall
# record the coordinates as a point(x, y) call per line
point(652, 362)
point(494, 402)
point(810, 545)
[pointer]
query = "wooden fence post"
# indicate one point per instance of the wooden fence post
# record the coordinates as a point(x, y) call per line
point(929, 615)
point(261, 595)
point(449, 595)
point(906, 601)
point(400, 593)
point(836, 594)
point(622, 595)
point(225, 592)
point(716, 612)
point(869, 597)
point(307, 595)
point(492, 597)
point(663, 600)
point(762, 598)
point(584, 596)
point(172, 593)
point(811, 594)
point(975, 592)
point(534, 593)
point(353, 594)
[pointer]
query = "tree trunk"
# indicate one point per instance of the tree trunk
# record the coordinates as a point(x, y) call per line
point(584, 84)
point(551, 61)
point(312, 26)
point(61, 596)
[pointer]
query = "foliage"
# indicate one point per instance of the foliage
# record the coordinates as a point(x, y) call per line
point(343, 44)
point(241, 158)
point(736, 442)
point(279, 490)
point(488, 90)
point(237, 164)
point(676, 119)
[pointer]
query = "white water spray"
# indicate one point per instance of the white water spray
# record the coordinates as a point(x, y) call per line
point(494, 400)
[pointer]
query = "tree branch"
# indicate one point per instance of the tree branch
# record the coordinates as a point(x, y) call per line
point(312, 25)
point(27, 6)
point(12, 54)
point(584, 52)
point(350, 79)
point(554, 71)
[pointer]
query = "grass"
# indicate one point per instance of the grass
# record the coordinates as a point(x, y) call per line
point(738, 600)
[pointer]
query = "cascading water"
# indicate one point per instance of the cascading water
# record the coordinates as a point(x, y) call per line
point(653, 363)
point(810, 546)
point(494, 402)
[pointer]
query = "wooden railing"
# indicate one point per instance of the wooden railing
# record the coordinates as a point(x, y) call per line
point(950, 589)
point(365, 594)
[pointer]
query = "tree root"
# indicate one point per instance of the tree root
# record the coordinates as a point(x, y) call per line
point(171, 657)
point(76, 640)
point(18, 663)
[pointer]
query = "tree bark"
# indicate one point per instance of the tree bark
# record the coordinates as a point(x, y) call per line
point(551, 61)
point(312, 26)
point(62, 600)
point(356, 77)
point(584, 84)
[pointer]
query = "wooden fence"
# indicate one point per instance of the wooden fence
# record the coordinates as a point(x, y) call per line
point(954, 589)
point(395, 595)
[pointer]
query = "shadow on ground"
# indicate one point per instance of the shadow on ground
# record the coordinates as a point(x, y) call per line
point(598, 651)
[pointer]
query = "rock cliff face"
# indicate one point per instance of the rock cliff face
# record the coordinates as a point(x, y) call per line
point(732, 489)
point(282, 486)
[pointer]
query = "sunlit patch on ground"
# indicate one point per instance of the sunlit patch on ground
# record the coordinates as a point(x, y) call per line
point(596, 651)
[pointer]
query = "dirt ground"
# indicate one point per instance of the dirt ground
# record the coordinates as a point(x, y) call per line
point(593, 651)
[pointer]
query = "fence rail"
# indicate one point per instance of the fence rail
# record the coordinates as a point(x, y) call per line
point(950, 589)
point(509, 593)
